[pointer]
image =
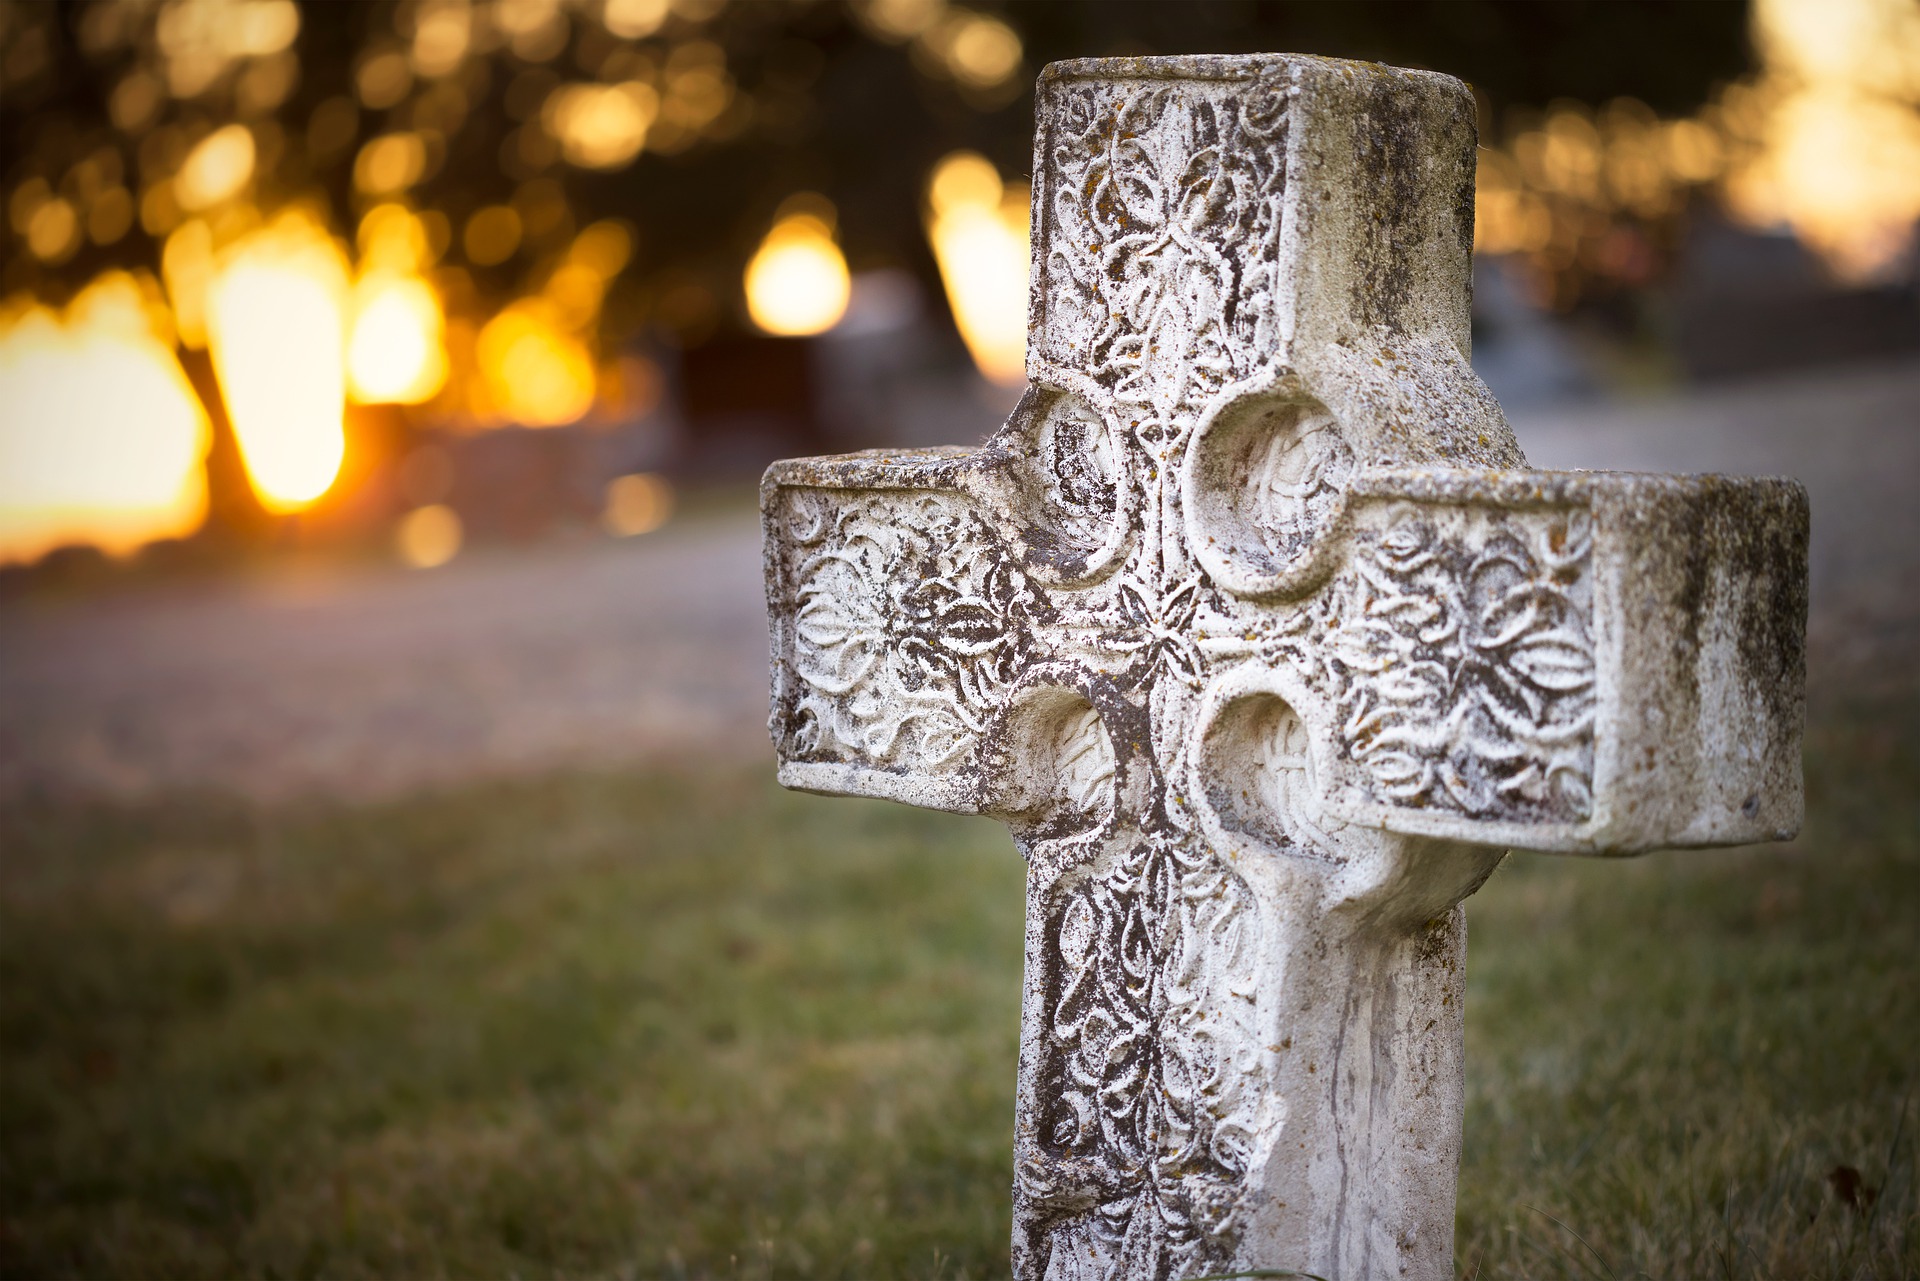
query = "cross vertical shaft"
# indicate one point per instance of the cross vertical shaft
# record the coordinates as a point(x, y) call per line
point(1255, 630)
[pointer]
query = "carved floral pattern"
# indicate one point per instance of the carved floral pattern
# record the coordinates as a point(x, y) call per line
point(1160, 260)
point(1145, 1141)
point(1464, 667)
point(1156, 630)
point(910, 624)
point(1162, 237)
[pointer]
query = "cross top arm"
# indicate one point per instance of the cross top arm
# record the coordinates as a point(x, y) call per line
point(1250, 400)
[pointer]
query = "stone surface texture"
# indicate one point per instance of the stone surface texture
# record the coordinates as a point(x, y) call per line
point(1254, 627)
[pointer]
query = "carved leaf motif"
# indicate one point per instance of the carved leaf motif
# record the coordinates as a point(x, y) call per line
point(1164, 229)
point(1552, 663)
point(1463, 668)
point(1146, 1131)
point(910, 624)
point(1085, 762)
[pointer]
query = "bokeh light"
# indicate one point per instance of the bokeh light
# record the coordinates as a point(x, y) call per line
point(979, 52)
point(635, 19)
point(442, 34)
point(449, 159)
point(396, 350)
point(390, 164)
point(601, 126)
point(217, 169)
point(536, 356)
point(102, 439)
point(1839, 160)
point(492, 235)
point(186, 264)
point(1824, 142)
point(429, 536)
point(636, 504)
point(538, 374)
point(276, 329)
point(201, 40)
point(797, 281)
point(53, 230)
point(978, 226)
point(396, 355)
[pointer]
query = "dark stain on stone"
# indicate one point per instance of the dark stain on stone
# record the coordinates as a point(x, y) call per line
point(1391, 143)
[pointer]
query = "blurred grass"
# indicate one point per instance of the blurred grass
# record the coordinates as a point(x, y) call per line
point(1673, 1063)
point(691, 1025)
point(658, 1026)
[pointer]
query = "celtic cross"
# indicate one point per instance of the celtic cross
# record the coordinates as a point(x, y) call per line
point(1253, 626)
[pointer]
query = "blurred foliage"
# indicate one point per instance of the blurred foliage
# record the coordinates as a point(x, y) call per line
point(746, 104)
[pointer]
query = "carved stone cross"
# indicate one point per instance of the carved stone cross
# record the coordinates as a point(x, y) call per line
point(1254, 628)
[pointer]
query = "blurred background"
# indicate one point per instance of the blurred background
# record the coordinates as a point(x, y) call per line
point(294, 292)
point(391, 879)
point(421, 274)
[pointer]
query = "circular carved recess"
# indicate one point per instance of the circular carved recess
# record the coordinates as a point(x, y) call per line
point(1059, 762)
point(1259, 778)
point(1265, 484)
point(1073, 487)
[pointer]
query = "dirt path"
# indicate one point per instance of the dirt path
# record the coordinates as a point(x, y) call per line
point(373, 680)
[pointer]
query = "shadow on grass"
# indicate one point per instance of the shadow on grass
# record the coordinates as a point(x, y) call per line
point(691, 1025)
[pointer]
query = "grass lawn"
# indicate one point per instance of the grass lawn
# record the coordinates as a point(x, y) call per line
point(691, 1025)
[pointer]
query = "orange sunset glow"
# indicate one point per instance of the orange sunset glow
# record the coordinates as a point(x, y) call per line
point(797, 282)
point(276, 330)
point(102, 439)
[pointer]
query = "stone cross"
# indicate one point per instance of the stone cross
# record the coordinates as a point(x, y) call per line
point(1255, 628)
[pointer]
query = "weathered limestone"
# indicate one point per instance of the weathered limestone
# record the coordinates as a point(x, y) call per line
point(1254, 628)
